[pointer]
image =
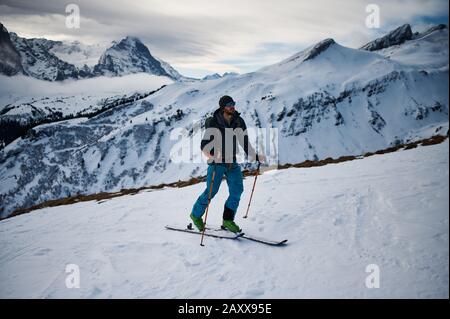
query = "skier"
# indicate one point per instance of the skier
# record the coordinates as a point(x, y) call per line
point(224, 126)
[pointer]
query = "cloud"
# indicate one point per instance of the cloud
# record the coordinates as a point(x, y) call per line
point(27, 86)
point(202, 34)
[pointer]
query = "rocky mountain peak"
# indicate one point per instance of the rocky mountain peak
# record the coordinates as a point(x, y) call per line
point(397, 36)
point(318, 49)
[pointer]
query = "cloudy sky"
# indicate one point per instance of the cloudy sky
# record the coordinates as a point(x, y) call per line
point(200, 37)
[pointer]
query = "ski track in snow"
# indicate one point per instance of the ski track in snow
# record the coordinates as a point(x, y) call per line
point(391, 210)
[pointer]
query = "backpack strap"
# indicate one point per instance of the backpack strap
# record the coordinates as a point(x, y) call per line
point(209, 122)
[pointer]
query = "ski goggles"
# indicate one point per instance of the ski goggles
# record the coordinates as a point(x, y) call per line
point(230, 104)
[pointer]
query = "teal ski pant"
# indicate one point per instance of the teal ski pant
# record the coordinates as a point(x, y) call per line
point(233, 176)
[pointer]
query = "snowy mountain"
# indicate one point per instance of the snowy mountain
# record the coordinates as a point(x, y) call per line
point(57, 107)
point(425, 50)
point(213, 76)
point(128, 56)
point(397, 36)
point(10, 63)
point(216, 76)
point(325, 101)
point(230, 74)
point(59, 60)
point(418, 35)
point(339, 219)
point(26, 99)
point(40, 63)
point(26, 102)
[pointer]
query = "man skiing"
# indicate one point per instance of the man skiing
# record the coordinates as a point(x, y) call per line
point(220, 147)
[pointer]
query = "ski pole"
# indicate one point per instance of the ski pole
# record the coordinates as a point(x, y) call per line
point(253, 188)
point(209, 200)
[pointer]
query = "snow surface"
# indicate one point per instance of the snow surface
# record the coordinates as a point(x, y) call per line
point(79, 54)
point(391, 210)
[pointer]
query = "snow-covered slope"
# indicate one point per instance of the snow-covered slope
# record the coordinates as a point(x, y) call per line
point(426, 50)
point(326, 101)
point(25, 98)
point(390, 210)
point(77, 53)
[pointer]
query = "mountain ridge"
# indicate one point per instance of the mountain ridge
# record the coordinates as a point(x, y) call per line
point(46, 59)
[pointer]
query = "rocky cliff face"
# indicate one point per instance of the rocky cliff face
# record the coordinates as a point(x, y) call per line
point(40, 63)
point(397, 36)
point(10, 62)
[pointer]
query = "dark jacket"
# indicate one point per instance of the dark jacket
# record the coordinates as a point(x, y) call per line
point(237, 132)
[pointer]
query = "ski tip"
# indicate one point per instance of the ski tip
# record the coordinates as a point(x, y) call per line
point(280, 243)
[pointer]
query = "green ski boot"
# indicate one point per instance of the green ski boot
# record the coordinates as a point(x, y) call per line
point(198, 222)
point(231, 226)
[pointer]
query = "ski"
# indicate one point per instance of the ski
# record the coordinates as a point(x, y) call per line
point(265, 241)
point(219, 232)
point(211, 232)
point(253, 238)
